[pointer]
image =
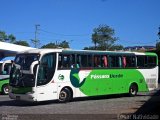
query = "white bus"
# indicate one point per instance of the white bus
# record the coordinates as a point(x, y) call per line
point(5, 68)
point(49, 74)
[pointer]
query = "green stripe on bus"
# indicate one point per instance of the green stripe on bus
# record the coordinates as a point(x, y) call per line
point(102, 82)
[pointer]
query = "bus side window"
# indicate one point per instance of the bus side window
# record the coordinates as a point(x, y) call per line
point(60, 61)
point(130, 61)
point(124, 62)
point(115, 61)
point(105, 61)
point(72, 60)
point(78, 61)
point(140, 61)
point(151, 61)
point(7, 69)
point(66, 61)
point(97, 61)
point(84, 60)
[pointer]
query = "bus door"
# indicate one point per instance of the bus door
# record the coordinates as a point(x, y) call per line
point(46, 88)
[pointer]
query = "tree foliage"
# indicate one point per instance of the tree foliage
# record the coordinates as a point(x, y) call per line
point(103, 37)
point(7, 38)
point(116, 47)
point(49, 45)
point(63, 44)
point(3, 36)
point(22, 42)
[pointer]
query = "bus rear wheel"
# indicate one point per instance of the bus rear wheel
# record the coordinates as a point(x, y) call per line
point(133, 90)
point(5, 89)
point(65, 95)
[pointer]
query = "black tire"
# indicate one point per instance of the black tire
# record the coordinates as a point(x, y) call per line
point(65, 95)
point(133, 90)
point(5, 89)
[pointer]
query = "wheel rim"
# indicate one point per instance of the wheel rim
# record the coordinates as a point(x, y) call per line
point(6, 89)
point(63, 96)
point(133, 90)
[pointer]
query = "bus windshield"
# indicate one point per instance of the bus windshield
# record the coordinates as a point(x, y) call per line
point(23, 62)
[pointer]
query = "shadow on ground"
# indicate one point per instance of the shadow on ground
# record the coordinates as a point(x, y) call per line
point(27, 104)
point(151, 108)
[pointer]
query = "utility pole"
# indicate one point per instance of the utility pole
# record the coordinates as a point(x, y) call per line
point(35, 41)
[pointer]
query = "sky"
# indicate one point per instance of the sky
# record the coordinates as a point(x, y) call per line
point(135, 22)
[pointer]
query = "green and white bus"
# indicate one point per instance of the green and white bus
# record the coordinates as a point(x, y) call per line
point(5, 67)
point(49, 74)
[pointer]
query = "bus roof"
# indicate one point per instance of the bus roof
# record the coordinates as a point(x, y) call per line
point(8, 49)
point(43, 51)
point(40, 51)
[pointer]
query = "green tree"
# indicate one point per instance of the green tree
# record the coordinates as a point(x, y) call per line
point(116, 47)
point(63, 44)
point(49, 45)
point(7, 38)
point(89, 48)
point(11, 38)
point(103, 37)
point(22, 42)
point(3, 36)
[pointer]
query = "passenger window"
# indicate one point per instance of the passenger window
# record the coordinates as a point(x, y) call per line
point(104, 61)
point(7, 68)
point(60, 62)
point(97, 61)
point(73, 61)
point(141, 62)
point(64, 61)
point(151, 61)
point(115, 61)
point(84, 61)
point(129, 61)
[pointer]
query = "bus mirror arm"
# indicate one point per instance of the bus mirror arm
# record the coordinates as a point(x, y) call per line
point(32, 66)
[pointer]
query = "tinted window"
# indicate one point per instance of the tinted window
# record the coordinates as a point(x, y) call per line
point(151, 61)
point(129, 61)
point(7, 68)
point(46, 69)
point(141, 61)
point(25, 60)
point(115, 61)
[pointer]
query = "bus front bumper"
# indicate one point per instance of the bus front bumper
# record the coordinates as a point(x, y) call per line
point(23, 97)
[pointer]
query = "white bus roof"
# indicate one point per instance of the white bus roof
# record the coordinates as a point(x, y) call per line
point(8, 49)
point(43, 51)
point(40, 51)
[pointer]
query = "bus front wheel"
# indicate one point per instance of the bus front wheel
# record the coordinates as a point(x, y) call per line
point(133, 90)
point(5, 89)
point(65, 95)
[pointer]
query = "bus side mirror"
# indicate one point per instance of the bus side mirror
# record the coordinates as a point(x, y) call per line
point(32, 66)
